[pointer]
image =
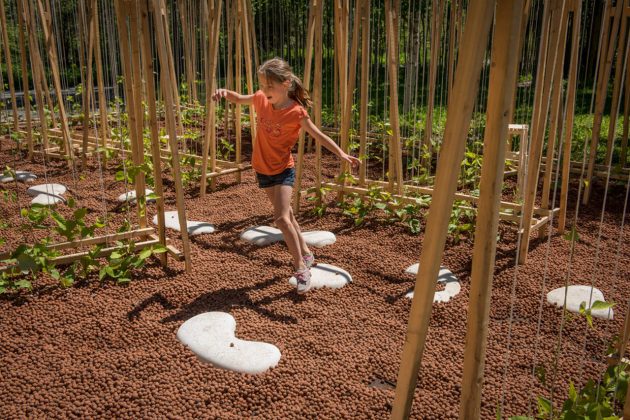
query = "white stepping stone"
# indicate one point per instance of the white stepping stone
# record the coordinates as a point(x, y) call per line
point(446, 277)
point(267, 235)
point(262, 235)
point(326, 275)
point(49, 189)
point(130, 196)
point(576, 295)
point(319, 238)
point(47, 200)
point(171, 220)
point(211, 337)
point(21, 176)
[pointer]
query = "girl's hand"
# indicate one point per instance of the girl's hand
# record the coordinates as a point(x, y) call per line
point(354, 162)
point(219, 94)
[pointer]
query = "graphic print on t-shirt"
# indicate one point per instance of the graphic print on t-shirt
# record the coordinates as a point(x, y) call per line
point(271, 128)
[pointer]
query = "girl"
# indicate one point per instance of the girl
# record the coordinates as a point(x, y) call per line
point(280, 114)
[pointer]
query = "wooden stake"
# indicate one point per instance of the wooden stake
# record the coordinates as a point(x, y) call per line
point(147, 65)
point(7, 53)
point(601, 94)
point(214, 24)
point(25, 85)
point(436, 33)
point(171, 126)
point(617, 88)
point(460, 109)
point(503, 74)
point(52, 56)
point(623, 158)
point(317, 94)
point(555, 125)
point(102, 101)
point(307, 84)
point(365, 62)
point(570, 111)
point(245, 25)
point(545, 75)
point(394, 118)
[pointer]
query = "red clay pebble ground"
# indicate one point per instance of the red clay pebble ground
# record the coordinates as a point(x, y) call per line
point(106, 351)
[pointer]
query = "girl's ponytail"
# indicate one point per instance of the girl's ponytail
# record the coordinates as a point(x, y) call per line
point(298, 93)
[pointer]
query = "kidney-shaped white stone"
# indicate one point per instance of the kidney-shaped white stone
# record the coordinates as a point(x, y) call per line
point(578, 294)
point(262, 235)
point(21, 176)
point(211, 337)
point(171, 220)
point(446, 277)
point(50, 189)
point(326, 275)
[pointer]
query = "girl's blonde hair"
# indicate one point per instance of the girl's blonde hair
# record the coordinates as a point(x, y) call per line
point(280, 71)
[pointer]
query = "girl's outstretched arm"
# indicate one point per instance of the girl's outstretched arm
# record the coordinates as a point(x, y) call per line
point(233, 96)
point(328, 143)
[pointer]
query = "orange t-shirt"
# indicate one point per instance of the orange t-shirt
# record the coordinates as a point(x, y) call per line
point(277, 132)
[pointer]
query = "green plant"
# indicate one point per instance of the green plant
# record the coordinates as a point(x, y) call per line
point(124, 259)
point(462, 221)
point(75, 227)
point(317, 196)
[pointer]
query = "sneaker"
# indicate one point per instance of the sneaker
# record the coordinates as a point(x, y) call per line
point(309, 260)
point(303, 278)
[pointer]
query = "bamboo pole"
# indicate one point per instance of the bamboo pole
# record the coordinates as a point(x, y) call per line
point(238, 85)
point(188, 50)
point(250, 19)
point(102, 101)
point(503, 74)
point(249, 72)
point(214, 25)
point(394, 118)
point(87, 90)
point(28, 16)
point(601, 93)
point(25, 85)
point(460, 109)
point(127, 37)
point(363, 116)
point(307, 84)
point(436, 28)
point(171, 126)
point(7, 53)
point(623, 159)
point(521, 40)
point(555, 127)
point(317, 94)
point(617, 88)
point(451, 44)
point(541, 110)
point(570, 112)
point(52, 56)
point(147, 66)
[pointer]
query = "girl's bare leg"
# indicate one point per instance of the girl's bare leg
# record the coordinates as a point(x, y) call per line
point(280, 196)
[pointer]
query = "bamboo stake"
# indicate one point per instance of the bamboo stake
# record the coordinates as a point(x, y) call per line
point(123, 12)
point(52, 56)
point(365, 62)
point(619, 68)
point(87, 91)
point(460, 109)
point(555, 127)
point(451, 45)
point(307, 84)
point(521, 40)
point(147, 65)
point(601, 93)
point(238, 109)
point(188, 49)
point(214, 24)
point(102, 102)
point(570, 111)
point(171, 126)
point(436, 27)
point(545, 75)
point(29, 22)
point(25, 85)
point(394, 118)
point(503, 74)
point(317, 94)
point(250, 19)
point(247, 50)
point(7, 53)
point(623, 159)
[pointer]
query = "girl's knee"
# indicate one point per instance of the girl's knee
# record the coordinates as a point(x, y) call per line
point(283, 221)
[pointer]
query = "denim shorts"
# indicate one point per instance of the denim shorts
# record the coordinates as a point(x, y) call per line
point(286, 177)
